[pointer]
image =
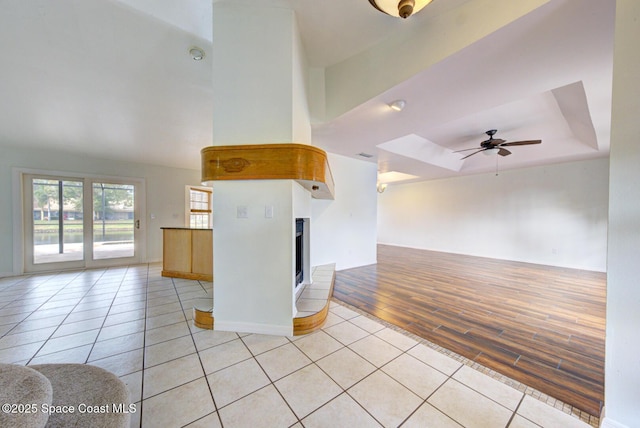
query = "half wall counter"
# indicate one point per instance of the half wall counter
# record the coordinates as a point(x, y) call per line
point(187, 253)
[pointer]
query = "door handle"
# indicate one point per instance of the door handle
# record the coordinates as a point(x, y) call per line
point(137, 224)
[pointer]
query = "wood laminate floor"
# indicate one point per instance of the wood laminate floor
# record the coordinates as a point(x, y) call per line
point(540, 325)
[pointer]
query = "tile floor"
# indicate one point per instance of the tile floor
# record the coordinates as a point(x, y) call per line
point(312, 298)
point(355, 372)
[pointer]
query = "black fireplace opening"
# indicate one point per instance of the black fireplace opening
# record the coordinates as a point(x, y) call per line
point(299, 251)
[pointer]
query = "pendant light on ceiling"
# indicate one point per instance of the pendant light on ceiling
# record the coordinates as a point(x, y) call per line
point(401, 9)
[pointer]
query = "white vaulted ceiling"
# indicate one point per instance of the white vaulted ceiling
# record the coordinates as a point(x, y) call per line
point(544, 76)
point(113, 79)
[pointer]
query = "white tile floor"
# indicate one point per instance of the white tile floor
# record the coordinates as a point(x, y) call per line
point(312, 298)
point(355, 372)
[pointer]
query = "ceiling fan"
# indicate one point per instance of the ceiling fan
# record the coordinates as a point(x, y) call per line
point(497, 144)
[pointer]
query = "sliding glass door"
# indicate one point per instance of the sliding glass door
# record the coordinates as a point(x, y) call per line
point(79, 222)
point(114, 220)
point(57, 224)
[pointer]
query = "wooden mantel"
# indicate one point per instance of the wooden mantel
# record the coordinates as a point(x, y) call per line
point(306, 164)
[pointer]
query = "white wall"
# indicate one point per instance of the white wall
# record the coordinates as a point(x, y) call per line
point(256, 69)
point(622, 365)
point(165, 189)
point(254, 260)
point(300, 114)
point(343, 231)
point(553, 215)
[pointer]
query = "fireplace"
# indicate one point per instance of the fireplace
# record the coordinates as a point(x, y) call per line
point(299, 251)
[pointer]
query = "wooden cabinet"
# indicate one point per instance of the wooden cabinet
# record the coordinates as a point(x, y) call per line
point(187, 253)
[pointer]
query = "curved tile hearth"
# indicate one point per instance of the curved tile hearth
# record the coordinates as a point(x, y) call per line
point(312, 303)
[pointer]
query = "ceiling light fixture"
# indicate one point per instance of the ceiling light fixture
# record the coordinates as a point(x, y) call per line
point(196, 53)
point(382, 187)
point(398, 105)
point(401, 9)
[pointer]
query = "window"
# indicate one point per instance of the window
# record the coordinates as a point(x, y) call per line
point(199, 208)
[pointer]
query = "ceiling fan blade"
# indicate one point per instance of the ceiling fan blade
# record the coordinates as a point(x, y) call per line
point(504, 152)
point(466, 150)
point(521, 143)
point(481, 150)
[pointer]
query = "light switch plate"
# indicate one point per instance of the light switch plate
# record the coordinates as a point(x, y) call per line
point(242, 211)
point(268, 211)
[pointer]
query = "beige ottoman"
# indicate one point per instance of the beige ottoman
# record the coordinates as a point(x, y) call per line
point(99, 399)
point(22, 393)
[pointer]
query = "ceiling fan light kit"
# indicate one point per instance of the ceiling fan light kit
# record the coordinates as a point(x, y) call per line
point(401, 9)
point(491, 152)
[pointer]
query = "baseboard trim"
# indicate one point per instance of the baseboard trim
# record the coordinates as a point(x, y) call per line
point(245, 327)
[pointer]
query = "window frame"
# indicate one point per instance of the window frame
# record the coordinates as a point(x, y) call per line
point(189, 211)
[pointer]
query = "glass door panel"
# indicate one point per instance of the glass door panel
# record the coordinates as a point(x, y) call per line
point(114, 220)
point(57, 227)
point(81, 222)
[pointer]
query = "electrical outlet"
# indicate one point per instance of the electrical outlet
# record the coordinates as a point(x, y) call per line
point(242, 211)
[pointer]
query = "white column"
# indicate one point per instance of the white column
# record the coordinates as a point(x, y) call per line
point(259, 76)
point(259, 98)
point(622, 365)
